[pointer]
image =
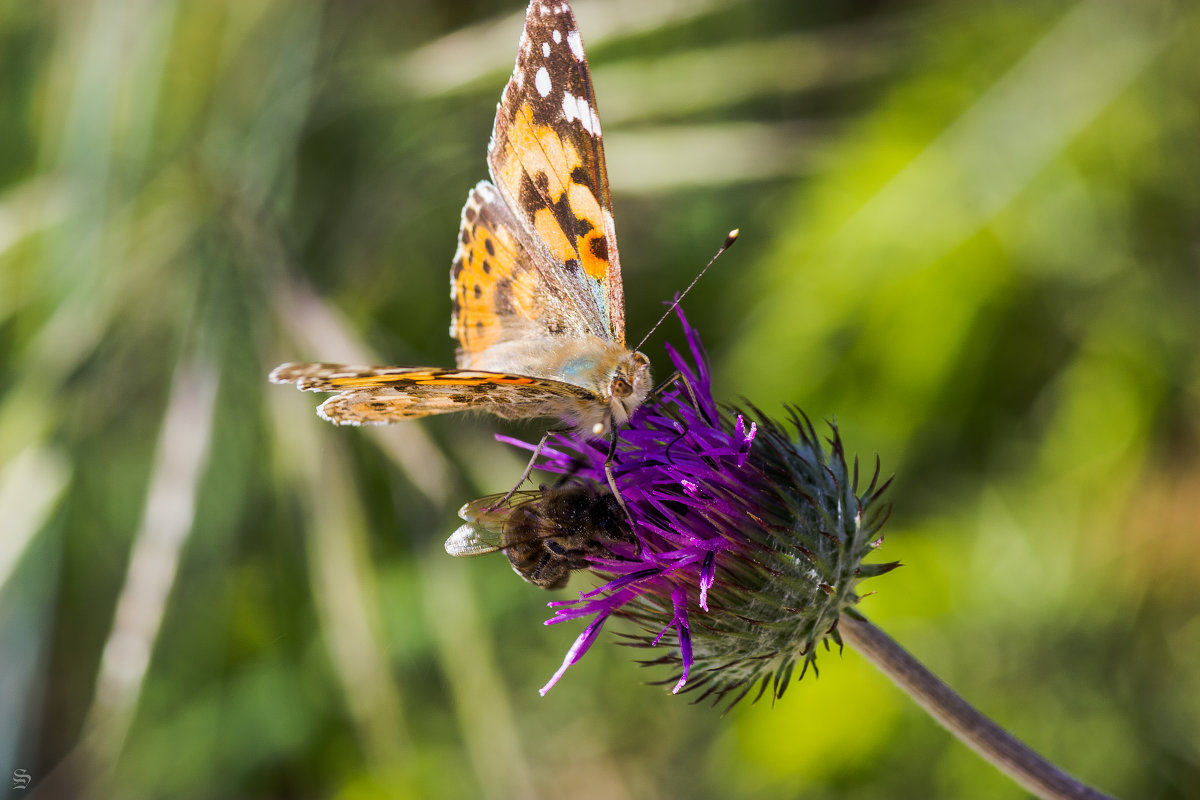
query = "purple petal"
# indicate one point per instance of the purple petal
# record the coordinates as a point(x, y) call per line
point(708, 575)
point(577, 650)
point(679, 600)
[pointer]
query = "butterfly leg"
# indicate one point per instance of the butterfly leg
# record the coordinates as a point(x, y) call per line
point(608, 474)
point(528, 469)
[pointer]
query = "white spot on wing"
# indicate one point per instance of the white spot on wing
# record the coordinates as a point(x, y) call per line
point(542, 81)
point(557, 37)
point(570, 109)
point(545, 50)
point(576, 44)
point(577, 108)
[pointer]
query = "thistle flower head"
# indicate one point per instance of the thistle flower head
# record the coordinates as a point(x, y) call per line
point(748, 541)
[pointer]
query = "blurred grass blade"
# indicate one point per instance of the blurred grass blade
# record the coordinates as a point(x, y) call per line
point(481, 699)
point(472, 52)
point(344, 586)
point(710, 155)
point(711, 78)
point(30, 485)
point(981, 161)
point(27, 209)
point(183, 448)
point(950, 190)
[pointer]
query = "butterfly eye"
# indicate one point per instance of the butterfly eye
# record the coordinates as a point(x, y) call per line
point(620, 387)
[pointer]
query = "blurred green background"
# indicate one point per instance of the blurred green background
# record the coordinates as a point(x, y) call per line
point(970, 233)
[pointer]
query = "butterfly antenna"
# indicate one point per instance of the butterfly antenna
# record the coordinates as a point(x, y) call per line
point(729, 240)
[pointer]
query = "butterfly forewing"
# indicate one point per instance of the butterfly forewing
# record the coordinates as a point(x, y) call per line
point(547, 159)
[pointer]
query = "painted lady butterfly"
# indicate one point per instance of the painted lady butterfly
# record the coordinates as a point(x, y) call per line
point(538, 308)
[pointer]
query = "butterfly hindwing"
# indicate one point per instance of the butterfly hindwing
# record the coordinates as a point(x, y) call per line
point(378, 395)
point(547, 160)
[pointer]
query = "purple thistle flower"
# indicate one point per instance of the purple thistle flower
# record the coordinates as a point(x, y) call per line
point(746, 544)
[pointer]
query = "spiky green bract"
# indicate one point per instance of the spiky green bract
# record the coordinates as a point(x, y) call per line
point(805, 531)
point(748, 538)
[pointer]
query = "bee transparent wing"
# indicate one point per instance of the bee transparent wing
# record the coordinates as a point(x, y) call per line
point(470, 540)
point(485, 522)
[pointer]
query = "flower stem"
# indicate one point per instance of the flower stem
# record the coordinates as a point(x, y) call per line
point(985, 737)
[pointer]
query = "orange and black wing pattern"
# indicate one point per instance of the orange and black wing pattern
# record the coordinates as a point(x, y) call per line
point(379, 395)
point(498, 292)
point(547, 159)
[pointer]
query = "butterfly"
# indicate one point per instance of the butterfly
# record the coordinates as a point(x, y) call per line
point(535, 285)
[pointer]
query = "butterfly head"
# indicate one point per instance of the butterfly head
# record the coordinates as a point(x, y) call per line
point(628, 386)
